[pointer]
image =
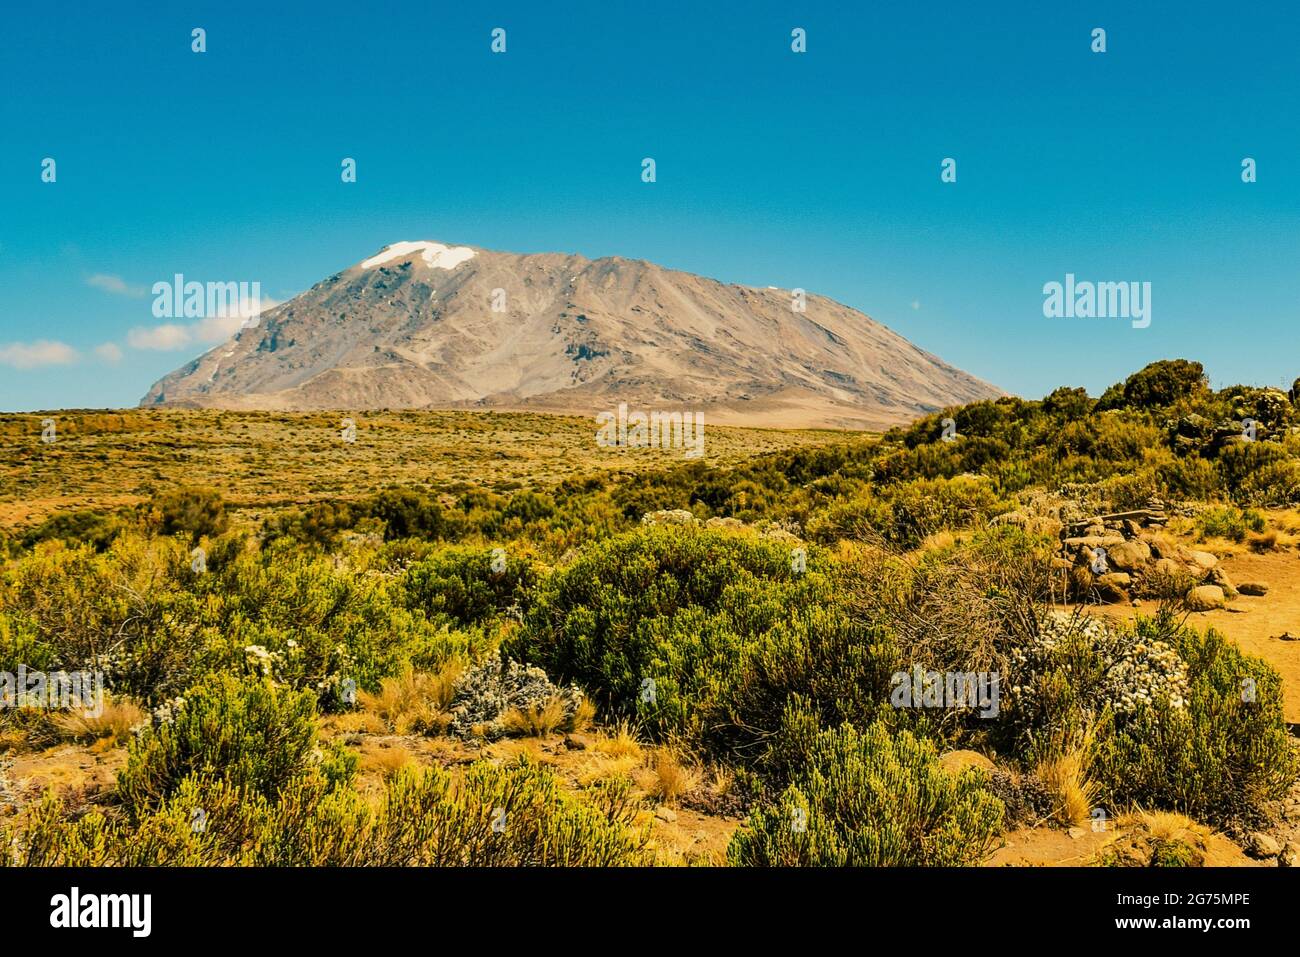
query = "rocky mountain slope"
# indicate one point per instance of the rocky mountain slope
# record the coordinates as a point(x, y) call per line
point(424, 325)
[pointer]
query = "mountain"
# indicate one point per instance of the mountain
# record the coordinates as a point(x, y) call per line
point(414, 327)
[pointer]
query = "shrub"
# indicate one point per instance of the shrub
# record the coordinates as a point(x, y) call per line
point(249, 734)
point(871, 799)
point(1163, 383)
point(196, 512)
point(700, 633)
point(926, 506)
point(407, 514)
point(1230, 523)
point(464, 585)
point(97, 529)
point(1275, 483)
point(514, 815)
point(1241, 462)
point(1219, 758)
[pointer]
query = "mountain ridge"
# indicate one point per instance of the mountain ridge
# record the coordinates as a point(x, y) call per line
point(427, 325)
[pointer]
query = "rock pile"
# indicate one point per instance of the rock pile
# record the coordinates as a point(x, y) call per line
point(1126, 555)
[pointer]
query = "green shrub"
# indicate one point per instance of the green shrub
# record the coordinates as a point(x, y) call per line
point(1239, 462)
point(923, 507)
point(1163, 383)
point(1230, 523)
point(250, 735)
point(1219, 758)
point(870, 799)
point(407, 514)
point(464, 585)
point(1192, 478)
point(94, 528)
point(196, 512)
point(668, 622)
point(1275, 483)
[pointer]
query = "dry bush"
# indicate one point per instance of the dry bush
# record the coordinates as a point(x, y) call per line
point(112, 725)
point(668, 777)
point(536, 721)
point(1266, 541)
point(414, 701)
point(1066, 777)
point(960, 610)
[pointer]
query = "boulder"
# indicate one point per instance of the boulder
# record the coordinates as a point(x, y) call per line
point(1203, 559)
point(669, 516)
point(1167, 568)
point(1263, 845)
point(1129, 556)
point(1095, 541)
point(727, 522)
point(1217, 576)
point(1110, 594)
point(1205, 598)
point(955, 762)
point(1116, 579)
point(1253, 588)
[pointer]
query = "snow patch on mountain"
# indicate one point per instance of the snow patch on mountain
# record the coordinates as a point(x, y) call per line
point(435, 255)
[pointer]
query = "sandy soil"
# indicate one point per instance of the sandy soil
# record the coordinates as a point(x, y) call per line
point(1050, 847)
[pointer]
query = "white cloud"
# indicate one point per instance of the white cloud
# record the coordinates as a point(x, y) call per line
point(162, 338)
point(34, 355)
point(109, 352)
point(115, 285)
point(208, 331)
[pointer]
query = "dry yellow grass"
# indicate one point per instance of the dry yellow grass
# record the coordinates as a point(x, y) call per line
point(414, 701)
point(667, 778)
point(354, 722)
point(938, 541)
point(1265, 541)
point(386, 761)
point(619, 742)
point(1165, 825)
point(584, 716)
point(117, 459)
point(597, 768)
point(1066, 777)
point(112, 726)
point(536, 721)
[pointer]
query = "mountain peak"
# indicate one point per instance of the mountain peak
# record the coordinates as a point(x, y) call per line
point(434, 255)
point(459, 327)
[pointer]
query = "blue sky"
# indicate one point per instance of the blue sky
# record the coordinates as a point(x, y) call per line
point(816, 170)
